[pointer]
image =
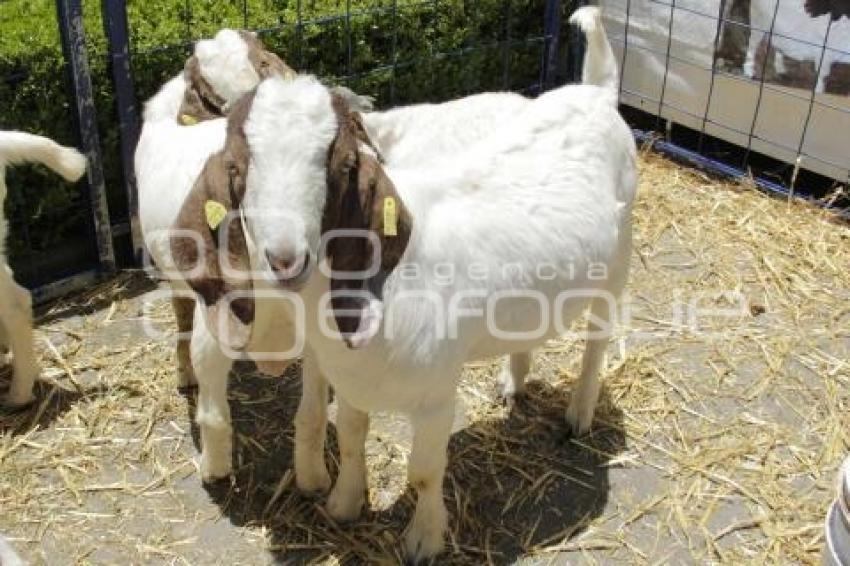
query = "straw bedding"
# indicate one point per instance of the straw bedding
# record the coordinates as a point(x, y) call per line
point(720, 427)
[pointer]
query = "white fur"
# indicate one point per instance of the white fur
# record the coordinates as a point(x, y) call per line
point(15, 301)
point(600, 65)
point(413, 135)
point(171, 156)
point(8, 556)
point(554, 184)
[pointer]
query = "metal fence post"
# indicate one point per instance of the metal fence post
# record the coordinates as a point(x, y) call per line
point(551, 33)
point(70, 16)
point(117, 35)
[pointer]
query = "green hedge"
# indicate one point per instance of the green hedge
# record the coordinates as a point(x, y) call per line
point(438, 55)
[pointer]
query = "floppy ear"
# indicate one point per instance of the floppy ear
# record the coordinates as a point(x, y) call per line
point(200, 101)
point(361, 197)
point(209, 248)
point(265, 62)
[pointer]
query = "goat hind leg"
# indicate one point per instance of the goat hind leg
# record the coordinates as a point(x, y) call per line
point(604, 310)
point(16, 306)
point(515, 369)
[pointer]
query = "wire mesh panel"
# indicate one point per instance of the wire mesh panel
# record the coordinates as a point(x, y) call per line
point(399, 51)
point(51, 231)
point(759, 85)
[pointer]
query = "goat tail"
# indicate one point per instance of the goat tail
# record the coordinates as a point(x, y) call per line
point(20, 147)
point(600, 66)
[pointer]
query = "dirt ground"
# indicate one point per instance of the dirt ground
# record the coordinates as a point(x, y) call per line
point(716, 440)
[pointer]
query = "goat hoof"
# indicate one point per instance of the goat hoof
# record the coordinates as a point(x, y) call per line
point(16, 403)
point(423, 542)
point(579, 419)
point(17, 400)
point(186, 379)
point(215, 472)
point(344, 507)
point(313, 483)
point(272, 368)
point(513, 400)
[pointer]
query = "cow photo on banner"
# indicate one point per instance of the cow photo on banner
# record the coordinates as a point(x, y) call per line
point(767, 75)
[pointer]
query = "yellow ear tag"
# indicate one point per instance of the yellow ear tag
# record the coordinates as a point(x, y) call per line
point(215, 213)
point(390, 217)
point(188, 120)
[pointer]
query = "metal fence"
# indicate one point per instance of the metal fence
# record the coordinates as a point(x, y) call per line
point(398, 51)
point(60, 236)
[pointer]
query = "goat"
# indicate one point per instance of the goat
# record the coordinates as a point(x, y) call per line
point(184, 124)
point(183, 151)
point(553, 185)
point(15, 301)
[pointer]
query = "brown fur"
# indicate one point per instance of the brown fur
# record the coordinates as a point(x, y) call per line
point(201, 102)
point(357, 187)
point(264, 61)
point(838, 80)
point(222, 180)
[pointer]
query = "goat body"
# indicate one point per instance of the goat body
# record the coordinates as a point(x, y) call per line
point(552, 186)
point(549, 180)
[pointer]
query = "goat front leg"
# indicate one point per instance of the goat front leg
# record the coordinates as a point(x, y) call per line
point(427, 466)
point(311, 425)
point(213, 413)
point(16, 309)
point(349, 492)
point(184, 311)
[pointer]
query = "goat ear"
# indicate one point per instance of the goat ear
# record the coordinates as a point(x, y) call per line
point(200, 101)
point(362, 197)
point(209, 248)
point(265, 62)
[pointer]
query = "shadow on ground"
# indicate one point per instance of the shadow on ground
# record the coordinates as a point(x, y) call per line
point(51, 402)
point(513, 484)
point(124, 286)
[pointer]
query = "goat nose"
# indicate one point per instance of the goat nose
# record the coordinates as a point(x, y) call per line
point(288, 266)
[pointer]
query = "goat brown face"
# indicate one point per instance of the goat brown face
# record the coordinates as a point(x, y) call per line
point(200, 101)
point(360, 197)
point(208, 243)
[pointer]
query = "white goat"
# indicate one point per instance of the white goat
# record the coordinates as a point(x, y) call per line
point(170, 158)
point(549, 193)
point(15, 301)
point(183, 126)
